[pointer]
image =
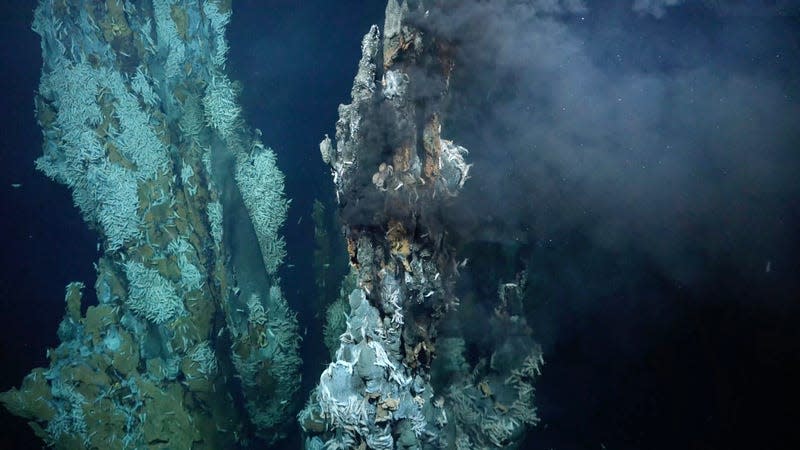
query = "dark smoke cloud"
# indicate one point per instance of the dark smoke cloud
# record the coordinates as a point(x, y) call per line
point(656, 8)
point(676, 137)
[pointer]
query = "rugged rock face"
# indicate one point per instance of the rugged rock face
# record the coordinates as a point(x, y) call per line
point(393, 173)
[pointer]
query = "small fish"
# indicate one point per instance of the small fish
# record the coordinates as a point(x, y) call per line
point(16, 185)
point(299, 220)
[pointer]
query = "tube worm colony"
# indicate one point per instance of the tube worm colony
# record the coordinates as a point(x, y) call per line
point(142, 124)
